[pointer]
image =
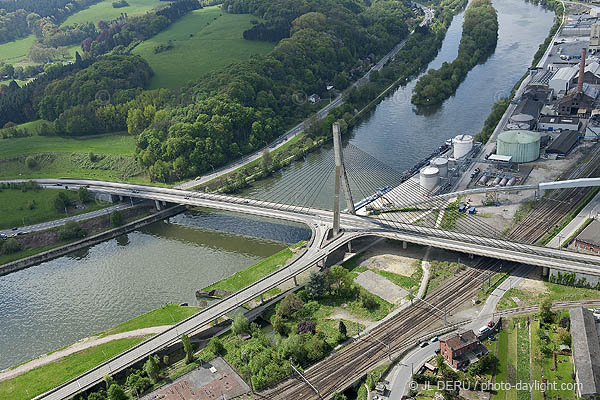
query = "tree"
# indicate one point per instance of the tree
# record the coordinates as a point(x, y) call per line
point(316, 286)
point(99, 395)
point(368, 302)
point(267, 159)
point(338, 279)
point(279, 325)
point(108, 380)
point(61, 201)
point(546, 314)
point(116, 392)
point(71, 230)
point(342, 328)
point(563, 336)
point(289, 305)
point(187, 347)
point(138, 383)
point(84, 195)
point(116, 219)
point(307, 327)
point(339, 396)
point(216, 346)
point(240, 324)
point(151, 367)
point(10, 246)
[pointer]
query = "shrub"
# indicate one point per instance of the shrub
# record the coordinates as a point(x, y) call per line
point(10, 246)
point(137, 383)
point(279, 325)
point(216, 346)
point(188, 348)
point(342, 328)
point(116, 219)
point(151, 367)
point(61, 201)
point(71, 230)
point(368, 302)
point(84, 195)
point(307, 327)
point(31, 205)
point(116, 392)
point(31, 162)
point(316, 286)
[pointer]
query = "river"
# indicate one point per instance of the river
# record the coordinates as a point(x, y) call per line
point(61, 301)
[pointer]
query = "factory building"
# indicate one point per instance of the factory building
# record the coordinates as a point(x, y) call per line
point(561, 81)
point(552, 123)
point(521, 145)
point(595, 37)
point(564, 143)
point(580, 100)
point(591, 75)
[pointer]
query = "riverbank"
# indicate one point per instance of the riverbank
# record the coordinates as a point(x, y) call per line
point(50, 370)
point(99, 224)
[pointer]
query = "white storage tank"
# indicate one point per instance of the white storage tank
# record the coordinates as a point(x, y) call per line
point(441, 163)
point(462, 145)
point(429, 177)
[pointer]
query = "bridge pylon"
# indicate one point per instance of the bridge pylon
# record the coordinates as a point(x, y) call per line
point(341, 181)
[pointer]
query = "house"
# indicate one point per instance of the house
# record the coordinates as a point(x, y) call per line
point(551, 123)
point(586, 352)
point(314, 98)
point(589, 238)
point(577, 102)
point(460, 349)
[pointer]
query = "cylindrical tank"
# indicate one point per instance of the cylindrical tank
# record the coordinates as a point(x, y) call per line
point(462, 145)
point(429, 177)
point(441, 163)
point(524, 120)
point(483, 180)
point(511, 181)
point(521, 145)
point(497, 181)
point(503, 182)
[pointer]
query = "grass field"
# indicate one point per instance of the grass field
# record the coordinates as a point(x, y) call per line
point(204, 41)
point(17, 51)
point(105, 11)
point(105, 144)
point(554, 292)
point(44, 378)
point(165, 315)
point(14, 207)
point(253, 273)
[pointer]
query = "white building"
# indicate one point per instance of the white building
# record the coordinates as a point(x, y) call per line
point(595, 37)
point(562, 79)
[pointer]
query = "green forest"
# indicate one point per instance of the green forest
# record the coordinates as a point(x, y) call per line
point(478, 42)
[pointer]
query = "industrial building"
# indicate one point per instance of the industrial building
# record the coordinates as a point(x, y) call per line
point(586, 352)
point(591, 75)
point(580, 100)
point(521, 145)
point(562, 79)
point(589, 238)
point(595, 37)
point(563, 144)
point(552, 123)
point(463, 144)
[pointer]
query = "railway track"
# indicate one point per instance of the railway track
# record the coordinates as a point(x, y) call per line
point(403, 330)
point(551, 209)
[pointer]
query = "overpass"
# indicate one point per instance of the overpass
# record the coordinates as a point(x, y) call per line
point(319, 248)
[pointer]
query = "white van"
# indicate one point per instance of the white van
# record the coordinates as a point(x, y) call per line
point(483, 330)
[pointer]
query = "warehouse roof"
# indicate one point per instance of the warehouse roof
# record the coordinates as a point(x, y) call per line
point(564, 143)
point(591, 234)
point(586, 350)
point(566, 73)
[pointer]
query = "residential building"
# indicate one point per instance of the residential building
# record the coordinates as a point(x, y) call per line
point(460, 349)
point(586, 353)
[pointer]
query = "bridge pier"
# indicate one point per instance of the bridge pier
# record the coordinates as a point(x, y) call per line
point(545, 272)
point(471, 256)
point(262, 300)
point(120, 198)
point(157, 204)
point(350, 246)
point(295, 281)
point(404, 245)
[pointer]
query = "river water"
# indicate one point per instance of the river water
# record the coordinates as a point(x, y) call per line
point(61, 301)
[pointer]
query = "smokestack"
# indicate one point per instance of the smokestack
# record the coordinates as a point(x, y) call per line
point(581, 71)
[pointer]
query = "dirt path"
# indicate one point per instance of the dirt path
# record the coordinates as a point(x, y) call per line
point(74, 348)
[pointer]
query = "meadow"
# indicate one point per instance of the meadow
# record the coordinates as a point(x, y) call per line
point(203, 41)
point(16, 52)
point(106, 12)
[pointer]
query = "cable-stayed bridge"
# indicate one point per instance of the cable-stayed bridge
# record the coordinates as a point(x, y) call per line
point(417, 216)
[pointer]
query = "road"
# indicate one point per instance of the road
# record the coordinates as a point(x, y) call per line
point(59, 222)
point(299, 129)
point(591, 210)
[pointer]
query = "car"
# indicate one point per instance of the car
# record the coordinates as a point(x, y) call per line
point(490, 324)
point(424, 344)
point(3, 236)
point(20, 233)
point(246, 202)
point(59, 184)
point(434, 339)
point(186, 197)
point(437, 351)
point(14, 228)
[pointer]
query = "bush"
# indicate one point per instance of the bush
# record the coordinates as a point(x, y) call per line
point(116, 219)
point(151, 367)
point(368, 302)
point(279, 325)
point(342, 329)
point(61, 201)
point(31, 162)
point(31, 205)
point(116, 392)
point(307, 327)
point(316, 286)
point(71, 230)
point(10, 246)
point(216, 346)
point(84, 195)
point(308, 310)
point(120, 4)
point(137, 383)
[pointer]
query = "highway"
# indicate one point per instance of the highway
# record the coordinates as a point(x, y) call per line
point(354, 227)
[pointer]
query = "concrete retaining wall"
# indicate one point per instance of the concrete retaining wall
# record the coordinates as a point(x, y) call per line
point(89, 241)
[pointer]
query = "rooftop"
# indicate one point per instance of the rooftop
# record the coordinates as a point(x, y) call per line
point(460, 340)
point(566, 73)
point(586, 350)
point(591, 234)
point(563, 143)
point(519, 136)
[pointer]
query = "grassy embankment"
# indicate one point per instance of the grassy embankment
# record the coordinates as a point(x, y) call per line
point(553, 291)
point(14, 206)
point(203, 41)
point(46, 377)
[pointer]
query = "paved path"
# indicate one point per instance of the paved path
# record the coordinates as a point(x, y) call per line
point(58, 222)
point(78, 346)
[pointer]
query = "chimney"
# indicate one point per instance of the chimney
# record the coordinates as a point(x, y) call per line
point(581, 71)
